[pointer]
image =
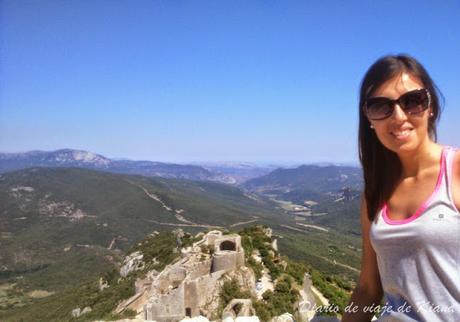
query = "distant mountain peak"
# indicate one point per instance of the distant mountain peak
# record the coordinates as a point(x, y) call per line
point(66, 155)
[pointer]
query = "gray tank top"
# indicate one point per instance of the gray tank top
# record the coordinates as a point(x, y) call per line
point(418, 257)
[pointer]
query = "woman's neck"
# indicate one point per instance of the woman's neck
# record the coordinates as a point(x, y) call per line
point(414, 162)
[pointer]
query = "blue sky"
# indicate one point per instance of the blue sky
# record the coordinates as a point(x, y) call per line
point(182, 81)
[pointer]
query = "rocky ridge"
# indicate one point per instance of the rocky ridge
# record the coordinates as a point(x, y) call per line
point(216, 276)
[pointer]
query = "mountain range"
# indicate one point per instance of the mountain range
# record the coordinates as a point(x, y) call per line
point(322, 188)
point(83, 159)
point(65, 218)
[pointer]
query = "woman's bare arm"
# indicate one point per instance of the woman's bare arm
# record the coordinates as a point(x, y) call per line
point(369, 289)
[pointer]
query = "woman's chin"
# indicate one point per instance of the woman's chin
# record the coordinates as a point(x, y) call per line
point(402, 147)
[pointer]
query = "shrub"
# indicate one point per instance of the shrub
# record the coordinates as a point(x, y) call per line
point(231, 290)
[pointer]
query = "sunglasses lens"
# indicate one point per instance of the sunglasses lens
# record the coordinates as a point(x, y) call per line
point(378, 108)
point(414, 102)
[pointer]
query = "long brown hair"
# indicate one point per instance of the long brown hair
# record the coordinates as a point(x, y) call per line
point(381, 166)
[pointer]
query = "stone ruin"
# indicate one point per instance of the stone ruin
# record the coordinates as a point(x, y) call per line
point(188, 290)
point(190, 287)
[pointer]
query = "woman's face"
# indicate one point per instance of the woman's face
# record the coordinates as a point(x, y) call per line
point(401, 132)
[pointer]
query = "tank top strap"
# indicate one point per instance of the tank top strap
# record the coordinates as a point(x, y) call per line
point(449, 163)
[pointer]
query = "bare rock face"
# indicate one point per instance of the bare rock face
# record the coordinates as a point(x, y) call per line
point(245, 277)
point(76, 312)
point(275, 244)
point(179, 233)
point(79, 312)
point(86, 310)
point(268, 231)
point(133, 262)
point(103, 284)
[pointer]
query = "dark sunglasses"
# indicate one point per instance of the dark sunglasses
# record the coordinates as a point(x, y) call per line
point(413, 102)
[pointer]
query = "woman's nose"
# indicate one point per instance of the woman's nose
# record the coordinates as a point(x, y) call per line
point(398, 113)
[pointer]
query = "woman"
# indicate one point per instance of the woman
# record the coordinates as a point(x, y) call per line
point(409, 211)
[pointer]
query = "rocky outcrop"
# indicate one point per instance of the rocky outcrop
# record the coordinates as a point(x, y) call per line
point(132, 263)
point(76, 313)
point(103, 284)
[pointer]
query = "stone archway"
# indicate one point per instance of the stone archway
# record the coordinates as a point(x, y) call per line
point(227, 245)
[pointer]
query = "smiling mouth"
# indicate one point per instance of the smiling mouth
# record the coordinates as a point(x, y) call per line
point(401, 135)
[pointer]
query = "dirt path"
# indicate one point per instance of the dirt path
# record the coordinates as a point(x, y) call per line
point(293, 228)
point(243, 222)
point(266, 281)
point(177, 213)
point(183, 225)
point(314, 226)
point(340, 264)
point(156, 198)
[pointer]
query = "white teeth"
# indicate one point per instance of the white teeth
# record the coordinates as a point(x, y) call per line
point(401, 134)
